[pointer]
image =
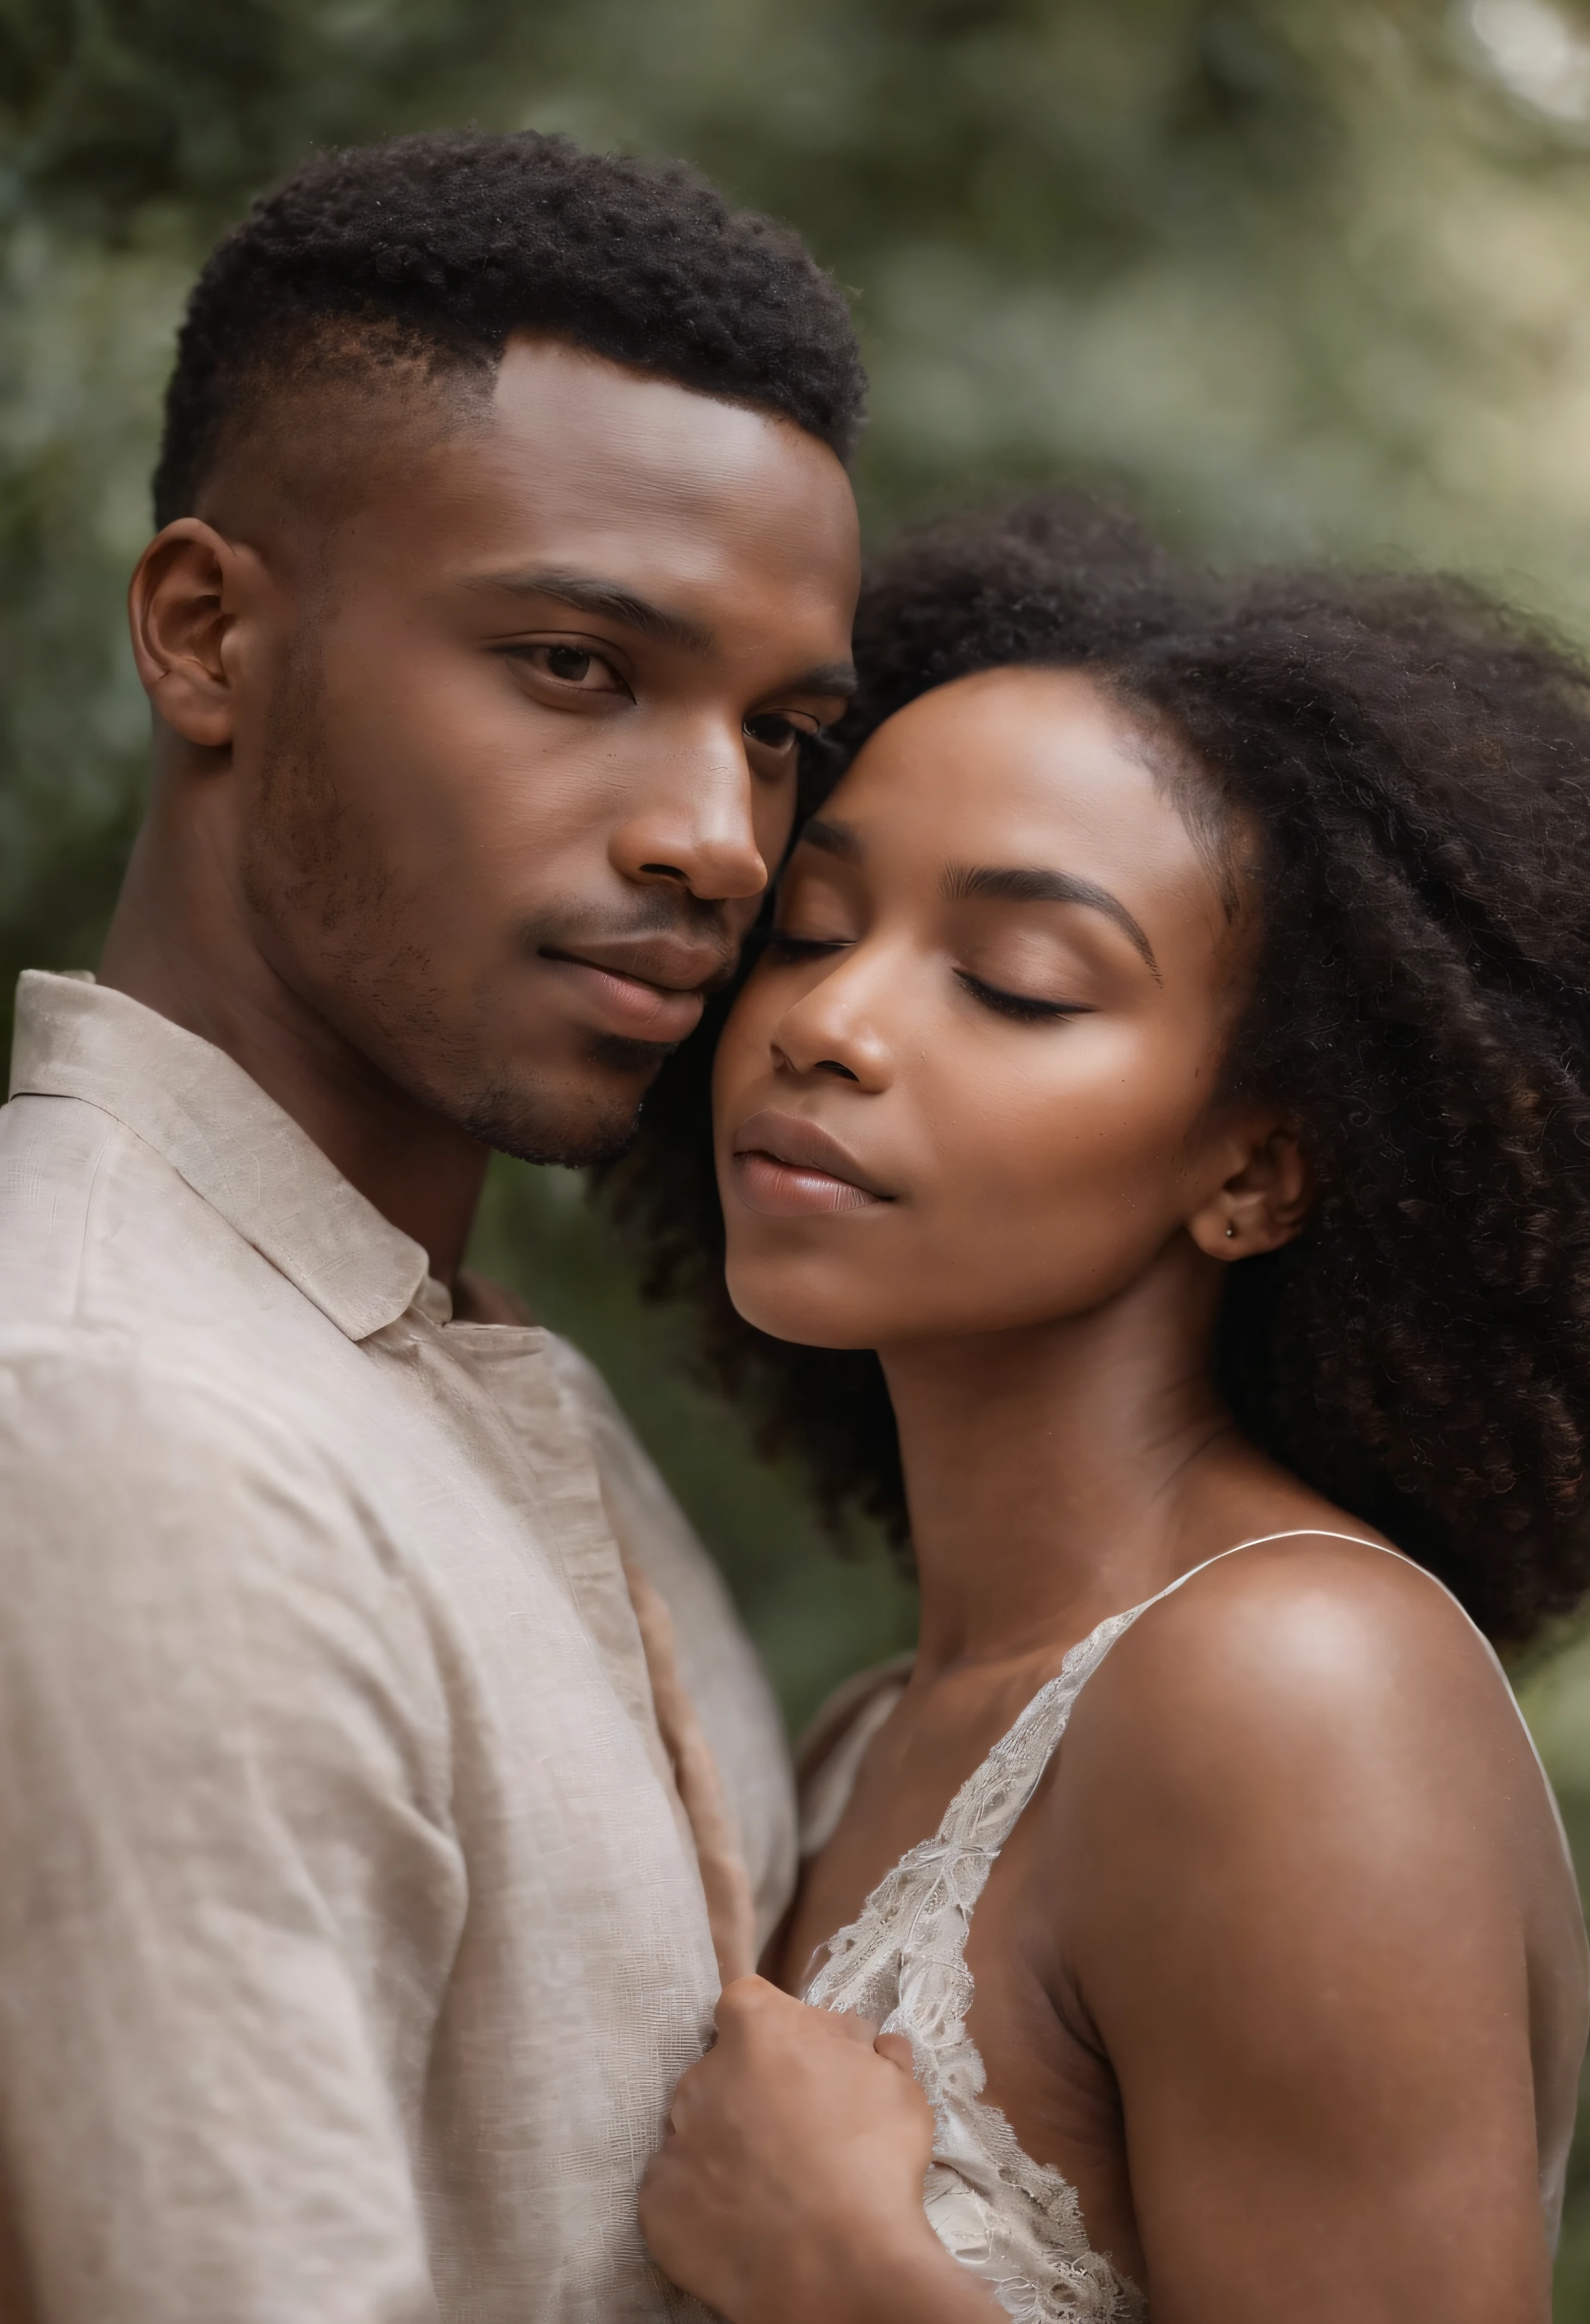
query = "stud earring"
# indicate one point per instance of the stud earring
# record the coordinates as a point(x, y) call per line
point(1230, 1230)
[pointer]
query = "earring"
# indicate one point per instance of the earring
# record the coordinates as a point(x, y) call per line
point(1230, 1230)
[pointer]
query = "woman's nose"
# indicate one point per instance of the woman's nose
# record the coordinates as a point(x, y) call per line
point(835, 1027)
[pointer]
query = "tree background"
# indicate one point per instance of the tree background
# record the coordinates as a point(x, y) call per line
point(1297, 276)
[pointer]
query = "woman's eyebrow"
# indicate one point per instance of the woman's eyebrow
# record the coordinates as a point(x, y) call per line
point(1016, 885)
point(833, 839)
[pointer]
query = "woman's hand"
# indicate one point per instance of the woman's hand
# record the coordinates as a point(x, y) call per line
point(790, 2189)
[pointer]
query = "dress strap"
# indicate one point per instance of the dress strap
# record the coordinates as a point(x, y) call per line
point(1322, 1533)
point(985, 1811)
point(1292, 1533)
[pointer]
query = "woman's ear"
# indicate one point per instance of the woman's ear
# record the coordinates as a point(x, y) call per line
point(1264, 1203)
point(182, 607)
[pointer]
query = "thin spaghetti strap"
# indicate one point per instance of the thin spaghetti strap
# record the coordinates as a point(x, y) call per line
point(1324, 1532)
point(1292, 1533)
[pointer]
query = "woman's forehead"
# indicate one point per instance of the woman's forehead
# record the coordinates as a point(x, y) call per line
point(1025, 766)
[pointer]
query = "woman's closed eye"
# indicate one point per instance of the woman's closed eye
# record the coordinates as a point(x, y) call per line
point(782, 944)
point(1025, 1008)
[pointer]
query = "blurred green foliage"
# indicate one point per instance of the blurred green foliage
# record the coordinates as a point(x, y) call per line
point(1297, 277)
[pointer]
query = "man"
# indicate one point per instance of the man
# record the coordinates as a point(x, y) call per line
point(352, 1934)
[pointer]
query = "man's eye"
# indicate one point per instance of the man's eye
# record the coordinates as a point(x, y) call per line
point(572, 666)
point(775, 731)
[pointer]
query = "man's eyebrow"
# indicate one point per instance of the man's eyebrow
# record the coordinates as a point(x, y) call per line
point(1019, 885)
point(587, 593)
point(827, 678)
point(833, 838)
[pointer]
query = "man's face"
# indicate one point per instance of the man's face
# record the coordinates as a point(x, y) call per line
point(514, 769)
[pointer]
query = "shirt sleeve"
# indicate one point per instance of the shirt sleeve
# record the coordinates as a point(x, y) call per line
point(230, 1895)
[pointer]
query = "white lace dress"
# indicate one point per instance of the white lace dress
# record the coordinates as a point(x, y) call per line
point(1012, 2221)
point(1015, 2223)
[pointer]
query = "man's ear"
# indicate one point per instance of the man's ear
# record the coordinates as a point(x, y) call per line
point(1263, 1202)
point(189, 587)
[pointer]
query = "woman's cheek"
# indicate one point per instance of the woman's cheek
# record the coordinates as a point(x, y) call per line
point(735, 1049)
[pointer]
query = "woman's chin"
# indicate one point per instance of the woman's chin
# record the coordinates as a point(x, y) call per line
point(799, 1313)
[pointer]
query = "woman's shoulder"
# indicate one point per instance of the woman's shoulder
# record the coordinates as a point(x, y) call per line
point(1308, 1678)
point(1321, 1609)
point(1310, 1624)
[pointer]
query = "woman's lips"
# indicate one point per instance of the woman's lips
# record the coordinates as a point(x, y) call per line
point(783, 1191)
point(787, 1167)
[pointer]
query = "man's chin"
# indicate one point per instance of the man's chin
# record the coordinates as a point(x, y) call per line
point(572, 1130)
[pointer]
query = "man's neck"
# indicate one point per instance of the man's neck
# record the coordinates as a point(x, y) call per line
point(197, 962)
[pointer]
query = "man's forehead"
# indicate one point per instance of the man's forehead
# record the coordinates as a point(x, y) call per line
point(724, 518)
point(576, 415)
point(552, 426)
point(590, 482)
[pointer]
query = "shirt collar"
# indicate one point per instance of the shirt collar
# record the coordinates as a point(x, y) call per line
point(219, 1131)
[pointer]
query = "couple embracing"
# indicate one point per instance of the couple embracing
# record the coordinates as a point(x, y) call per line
point(1111, 1065)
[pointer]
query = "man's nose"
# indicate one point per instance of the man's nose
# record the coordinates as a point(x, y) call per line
point(696, 822)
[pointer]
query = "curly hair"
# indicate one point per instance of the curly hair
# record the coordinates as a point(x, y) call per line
point(1415, 764)
point(447, 242)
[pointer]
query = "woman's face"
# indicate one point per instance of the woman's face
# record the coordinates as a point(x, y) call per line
point(971, 1088)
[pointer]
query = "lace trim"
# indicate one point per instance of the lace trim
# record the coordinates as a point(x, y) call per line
point(902, 1962)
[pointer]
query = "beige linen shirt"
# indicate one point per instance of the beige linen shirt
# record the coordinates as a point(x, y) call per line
point(351, 1940)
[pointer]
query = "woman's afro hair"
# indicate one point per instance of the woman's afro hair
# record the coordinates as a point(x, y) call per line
point(1415, 764)
point(452, 241)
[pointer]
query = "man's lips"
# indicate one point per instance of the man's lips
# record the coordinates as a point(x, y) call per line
point(653, 992)
point(787, 1168)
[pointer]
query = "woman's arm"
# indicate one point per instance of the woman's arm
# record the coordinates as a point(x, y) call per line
point(1319, 1856)
point(789, 2188)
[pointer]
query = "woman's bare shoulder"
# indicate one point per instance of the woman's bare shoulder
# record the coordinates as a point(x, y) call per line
point(1309, 1625)
point(1312, 1699)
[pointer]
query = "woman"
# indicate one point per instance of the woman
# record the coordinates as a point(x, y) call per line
point(1165, 1072)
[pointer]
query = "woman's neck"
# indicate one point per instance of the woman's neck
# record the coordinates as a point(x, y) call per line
point(1057, 1473)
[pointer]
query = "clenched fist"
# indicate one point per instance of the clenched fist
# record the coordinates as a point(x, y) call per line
point(790, 2188)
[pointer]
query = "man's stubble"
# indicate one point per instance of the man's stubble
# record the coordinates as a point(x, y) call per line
point(315, 875)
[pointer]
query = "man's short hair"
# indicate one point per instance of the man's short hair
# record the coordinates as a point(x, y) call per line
point(436, 249)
